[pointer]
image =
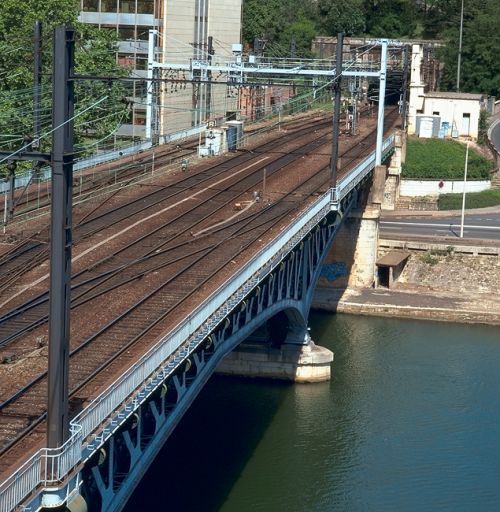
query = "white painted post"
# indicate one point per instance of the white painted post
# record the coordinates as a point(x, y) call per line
point(463, 194)
point(149, 93)
point(381, 102)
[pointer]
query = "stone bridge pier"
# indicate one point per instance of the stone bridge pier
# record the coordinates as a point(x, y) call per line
point(351, 262)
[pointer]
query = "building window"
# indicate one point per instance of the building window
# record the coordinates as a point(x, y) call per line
point(145, 6)
point(126, 33)
point(141, 63)
point(140, 117)
point(127, 6)
point(142, 33)
point(111, 28)
point(90, 5)
point(108, 5)
point(126, 59)
point(435, 113)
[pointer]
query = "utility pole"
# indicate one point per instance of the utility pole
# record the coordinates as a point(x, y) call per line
point(460, 46)
point(336, 112)
point(381, 102)
point(61, 238)
point(151, 114)
point(208, 96)
point(463, 193)
point(404, 92)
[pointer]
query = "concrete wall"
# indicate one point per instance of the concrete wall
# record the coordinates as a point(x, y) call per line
point(414, 188)
point(416, 99)
point(451, 111)
point(351, 261)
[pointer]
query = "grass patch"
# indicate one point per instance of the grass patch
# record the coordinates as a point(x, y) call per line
point(439, 159)
point(429, 259)
point(483, 199)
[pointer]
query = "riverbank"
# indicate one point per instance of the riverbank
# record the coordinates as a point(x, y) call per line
point(435, 285)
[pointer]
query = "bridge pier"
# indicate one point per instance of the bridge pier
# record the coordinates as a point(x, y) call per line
point(292, 362)
point(393, 178)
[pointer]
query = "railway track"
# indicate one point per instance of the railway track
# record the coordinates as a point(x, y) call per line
point(36, 250)
point(124, 171)
point(182, 264)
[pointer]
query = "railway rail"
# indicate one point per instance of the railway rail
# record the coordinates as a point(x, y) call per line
point(183, 263)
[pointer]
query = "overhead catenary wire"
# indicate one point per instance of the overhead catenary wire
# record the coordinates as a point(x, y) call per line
point(46, 134)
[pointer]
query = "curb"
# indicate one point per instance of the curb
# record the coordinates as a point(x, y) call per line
point(437, 213)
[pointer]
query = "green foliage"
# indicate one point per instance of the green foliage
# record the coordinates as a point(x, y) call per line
point(480, 65)
point(341, 16)
point(390, 18)
point(279, 22)
point(429, 259)
point(482, 137)
point(443, 160)
point(95, 54)
point(299, 36)
point(483, 199)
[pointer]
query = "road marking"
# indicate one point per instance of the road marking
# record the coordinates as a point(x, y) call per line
point(436, 225)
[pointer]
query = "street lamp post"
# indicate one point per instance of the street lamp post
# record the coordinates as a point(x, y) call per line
point(463, 195)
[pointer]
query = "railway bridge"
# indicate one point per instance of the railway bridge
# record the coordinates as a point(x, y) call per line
point(216, 255)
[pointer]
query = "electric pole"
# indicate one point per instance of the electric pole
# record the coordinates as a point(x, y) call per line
point(336, 111)
point(460, 46)
point(208, 97)
point(61, 238)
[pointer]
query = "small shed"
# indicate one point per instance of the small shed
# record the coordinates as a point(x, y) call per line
point(458, 112)
point(390, 266)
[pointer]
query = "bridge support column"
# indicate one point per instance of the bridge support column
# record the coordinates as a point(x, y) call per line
point(392, 183)
point(292, 362)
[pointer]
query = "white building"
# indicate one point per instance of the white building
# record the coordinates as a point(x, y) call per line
point(441, 114)
point(184, 27)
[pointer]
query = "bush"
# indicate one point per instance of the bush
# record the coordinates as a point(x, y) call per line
point(429, 259)
point(472, 200)
point(439, 159)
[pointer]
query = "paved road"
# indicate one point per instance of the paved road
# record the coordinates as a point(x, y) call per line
point(495, 137)
point(483, 226)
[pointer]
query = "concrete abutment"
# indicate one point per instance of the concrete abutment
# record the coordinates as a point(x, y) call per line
point(306, 363)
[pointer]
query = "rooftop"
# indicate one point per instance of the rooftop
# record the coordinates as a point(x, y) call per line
point(455, 95)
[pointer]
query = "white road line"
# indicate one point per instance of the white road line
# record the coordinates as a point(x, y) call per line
point(436, 225)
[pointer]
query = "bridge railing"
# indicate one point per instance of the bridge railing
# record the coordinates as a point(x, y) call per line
point(129, 383)
point(49, 467)
point(356, 175)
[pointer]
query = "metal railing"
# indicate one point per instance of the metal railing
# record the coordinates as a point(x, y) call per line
point(50, 466)
point(356, 175)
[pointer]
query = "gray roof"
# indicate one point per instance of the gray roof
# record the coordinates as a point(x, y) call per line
point(455, 95)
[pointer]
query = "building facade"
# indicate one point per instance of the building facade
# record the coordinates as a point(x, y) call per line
point(440, 113)
point(185, 29)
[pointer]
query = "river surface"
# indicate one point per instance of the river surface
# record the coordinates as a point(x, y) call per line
point(409, 422)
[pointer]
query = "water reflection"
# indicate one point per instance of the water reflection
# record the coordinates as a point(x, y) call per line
point(409, 422)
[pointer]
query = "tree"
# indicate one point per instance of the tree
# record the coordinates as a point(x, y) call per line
point(480, 65)
point(279, 22)
point(299, 36)
point(345, 16)
point(391, 18)
point(95, 53)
